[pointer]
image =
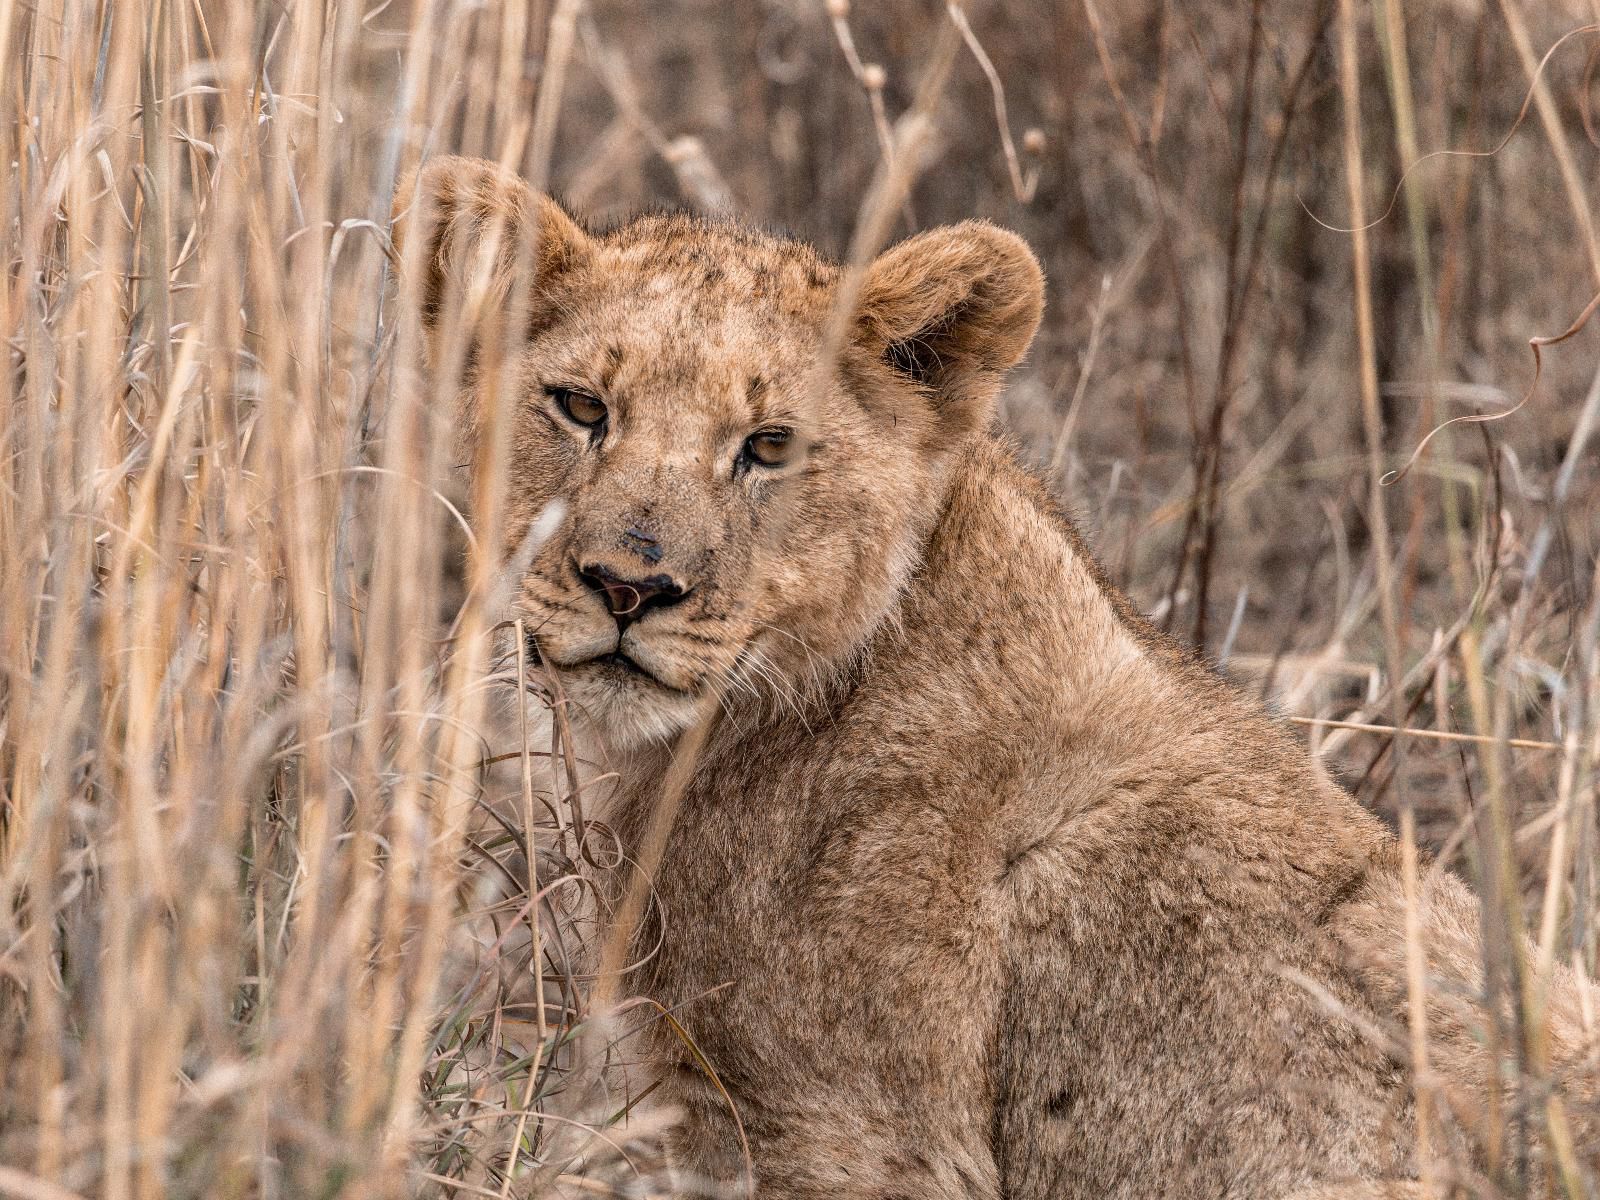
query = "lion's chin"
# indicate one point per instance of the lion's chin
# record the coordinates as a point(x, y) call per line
point(627, 707)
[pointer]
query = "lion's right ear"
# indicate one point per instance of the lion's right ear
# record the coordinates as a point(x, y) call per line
point(951, 310)
point(475, 240)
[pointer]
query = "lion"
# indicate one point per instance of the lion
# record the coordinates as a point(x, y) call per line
point(981, 886)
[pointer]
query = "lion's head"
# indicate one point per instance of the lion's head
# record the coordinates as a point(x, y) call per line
point(735, 519)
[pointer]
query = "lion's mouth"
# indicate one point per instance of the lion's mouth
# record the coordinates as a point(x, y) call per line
point(621, 661)
point(616, 662)
point(624, 666)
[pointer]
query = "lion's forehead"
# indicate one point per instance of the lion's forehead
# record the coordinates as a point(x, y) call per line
point(718, 276)
point(694, 341)
point(682, 381)
point(716, 254)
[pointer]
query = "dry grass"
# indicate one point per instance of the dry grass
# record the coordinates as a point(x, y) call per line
point(291, 905)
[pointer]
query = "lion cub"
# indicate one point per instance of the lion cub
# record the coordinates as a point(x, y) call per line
point(981, 886)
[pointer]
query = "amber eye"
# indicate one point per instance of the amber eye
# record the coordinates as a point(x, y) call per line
point(579, 407)
point(768, 448)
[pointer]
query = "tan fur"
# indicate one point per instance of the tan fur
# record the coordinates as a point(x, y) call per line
point(1014, 898)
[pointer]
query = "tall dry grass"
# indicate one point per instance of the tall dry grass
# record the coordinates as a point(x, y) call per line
point(292, 902)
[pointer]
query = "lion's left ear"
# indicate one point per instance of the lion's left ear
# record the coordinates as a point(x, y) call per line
point(952, 310)
point(469, 232)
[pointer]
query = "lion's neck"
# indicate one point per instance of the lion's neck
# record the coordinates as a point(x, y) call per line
point(1008, 680)
point(1007, 628)
point(1005, 613)
point(1003, 562)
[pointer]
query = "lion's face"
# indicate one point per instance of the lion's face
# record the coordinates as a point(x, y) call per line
point(734, 520)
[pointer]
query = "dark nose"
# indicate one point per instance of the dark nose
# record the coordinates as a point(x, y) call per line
point(629, 599)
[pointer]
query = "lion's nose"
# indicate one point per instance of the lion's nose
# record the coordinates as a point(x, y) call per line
point(629, 599)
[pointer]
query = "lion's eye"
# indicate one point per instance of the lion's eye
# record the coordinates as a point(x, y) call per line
point(768, 447)
point(579, 407)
